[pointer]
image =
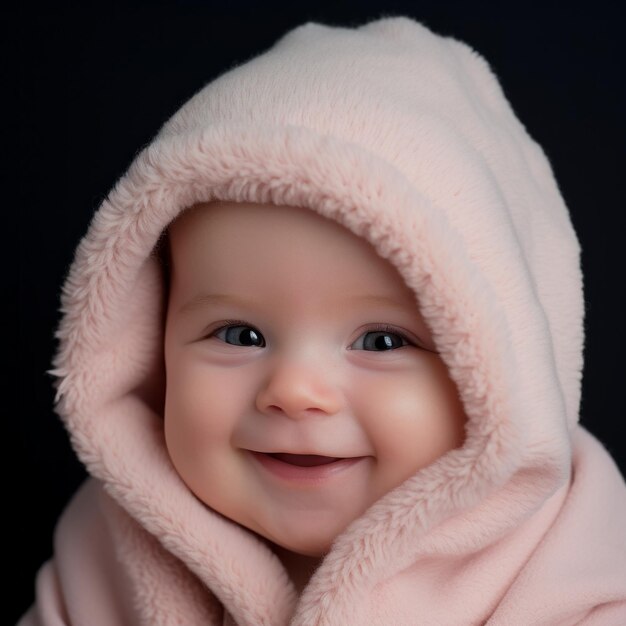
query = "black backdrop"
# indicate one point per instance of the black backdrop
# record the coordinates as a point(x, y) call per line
point(95, 82)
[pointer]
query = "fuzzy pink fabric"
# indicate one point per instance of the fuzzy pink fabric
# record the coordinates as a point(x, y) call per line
point(406, 138)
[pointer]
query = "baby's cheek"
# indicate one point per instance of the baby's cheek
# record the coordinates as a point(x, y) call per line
point(200, 394)
point(199, 421)
point(412, 419)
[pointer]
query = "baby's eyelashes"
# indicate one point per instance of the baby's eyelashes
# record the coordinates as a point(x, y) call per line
point(232, 333)
point(381, 338)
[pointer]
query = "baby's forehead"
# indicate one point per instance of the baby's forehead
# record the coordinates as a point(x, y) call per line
point(227, 218)
point(230, 229)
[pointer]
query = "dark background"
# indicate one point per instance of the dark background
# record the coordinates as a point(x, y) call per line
point(94, 84)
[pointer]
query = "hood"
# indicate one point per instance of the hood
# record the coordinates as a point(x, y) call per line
point(406, 138)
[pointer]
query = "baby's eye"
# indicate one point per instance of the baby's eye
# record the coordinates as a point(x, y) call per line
point(234, 335)
point(381, 340)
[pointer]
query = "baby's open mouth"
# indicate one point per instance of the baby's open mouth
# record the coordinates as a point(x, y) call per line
point(304, 460)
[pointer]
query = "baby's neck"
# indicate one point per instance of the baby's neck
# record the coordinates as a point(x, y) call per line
point(300, 567)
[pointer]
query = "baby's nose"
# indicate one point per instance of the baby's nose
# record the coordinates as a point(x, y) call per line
point(300, 390)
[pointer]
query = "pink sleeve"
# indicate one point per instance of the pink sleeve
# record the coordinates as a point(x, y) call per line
point(48, 608)
point(82, 584)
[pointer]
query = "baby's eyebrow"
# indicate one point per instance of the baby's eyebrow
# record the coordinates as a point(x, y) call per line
point(372, 299)
point(203, 299)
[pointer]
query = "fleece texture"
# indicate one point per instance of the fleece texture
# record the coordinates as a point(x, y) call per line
point(406, 138)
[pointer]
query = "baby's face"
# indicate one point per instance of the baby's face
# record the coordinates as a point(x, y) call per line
point(301, 369)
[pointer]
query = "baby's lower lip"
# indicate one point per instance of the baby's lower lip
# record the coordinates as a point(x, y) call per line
point(301, 473)
point(302, 460)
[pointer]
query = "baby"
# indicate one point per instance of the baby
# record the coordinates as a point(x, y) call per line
point(350, 395)
point(286, 333)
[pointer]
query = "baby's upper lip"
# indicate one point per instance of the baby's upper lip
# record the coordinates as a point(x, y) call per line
point(308, 453)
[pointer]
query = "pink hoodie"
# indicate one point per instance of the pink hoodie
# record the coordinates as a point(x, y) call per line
point(404, 137)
